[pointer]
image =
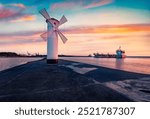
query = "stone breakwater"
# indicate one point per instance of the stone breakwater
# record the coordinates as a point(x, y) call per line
point(37, 81)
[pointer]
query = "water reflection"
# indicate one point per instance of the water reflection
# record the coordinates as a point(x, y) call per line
point(139, 65)
point(119, 63)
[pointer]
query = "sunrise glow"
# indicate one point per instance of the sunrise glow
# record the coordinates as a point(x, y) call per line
point(93, 26)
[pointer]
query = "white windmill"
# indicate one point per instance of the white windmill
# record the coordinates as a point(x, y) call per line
point(52, 36)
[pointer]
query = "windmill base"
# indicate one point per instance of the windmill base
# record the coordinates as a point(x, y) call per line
point(52, 61)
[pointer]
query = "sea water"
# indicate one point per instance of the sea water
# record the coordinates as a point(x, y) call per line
point(138, 65)
point(6, 63)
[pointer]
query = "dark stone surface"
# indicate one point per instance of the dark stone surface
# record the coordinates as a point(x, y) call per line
point(38, 81)
point(105, 75)
point(52, 61)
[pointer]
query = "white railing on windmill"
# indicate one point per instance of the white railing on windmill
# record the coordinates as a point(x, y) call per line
point(51, 34)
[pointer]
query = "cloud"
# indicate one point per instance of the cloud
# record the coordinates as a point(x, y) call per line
point(99, 3)
point(14, 12)
point(129, 28)
point(24, 18)
point(6, 13)
point(107, 32)
point(21, 33)
point(20, 37)
point(82, 4)
point(19, 5)
point(63, 5)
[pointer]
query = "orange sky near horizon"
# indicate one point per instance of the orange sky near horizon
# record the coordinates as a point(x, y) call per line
point(90, 42)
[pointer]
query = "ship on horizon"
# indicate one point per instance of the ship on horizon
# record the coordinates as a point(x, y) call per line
point(119, 54)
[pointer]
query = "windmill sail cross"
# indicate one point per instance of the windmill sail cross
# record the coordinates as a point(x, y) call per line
point(51, 36)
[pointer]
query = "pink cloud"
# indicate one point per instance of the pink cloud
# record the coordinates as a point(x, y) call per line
point(14, 13)
point(8, 12)
point(80, 4)
point(20, 37)
point(5, 13)
point(100, 3)
point(64, 5)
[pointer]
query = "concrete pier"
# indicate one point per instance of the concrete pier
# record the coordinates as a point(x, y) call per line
point(38, 81)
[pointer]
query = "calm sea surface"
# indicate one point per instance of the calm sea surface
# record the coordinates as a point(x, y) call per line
point(139, 65)
point(6, 63)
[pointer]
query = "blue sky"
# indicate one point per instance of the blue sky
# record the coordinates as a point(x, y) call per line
point(96, 22)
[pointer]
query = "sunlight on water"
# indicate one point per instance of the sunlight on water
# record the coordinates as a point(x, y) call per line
point(6, 63)
point(139, 65)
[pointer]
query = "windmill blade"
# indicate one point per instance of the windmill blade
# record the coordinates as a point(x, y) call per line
point(63, 38)
point(62, 20)
point(44, 13)
point(45, 35)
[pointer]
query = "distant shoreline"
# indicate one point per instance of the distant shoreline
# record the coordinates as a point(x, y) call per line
point(138, 56)
point(13, 54)
point(65, 56)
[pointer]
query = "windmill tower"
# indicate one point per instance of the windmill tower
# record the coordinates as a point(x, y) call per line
point(51, 36)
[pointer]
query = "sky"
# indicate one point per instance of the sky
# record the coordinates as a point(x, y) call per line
point(93, 26)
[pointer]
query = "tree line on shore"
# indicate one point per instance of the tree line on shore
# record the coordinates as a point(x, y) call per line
point(13, 54)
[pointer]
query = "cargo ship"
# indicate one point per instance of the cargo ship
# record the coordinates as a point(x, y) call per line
point(119, 54)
